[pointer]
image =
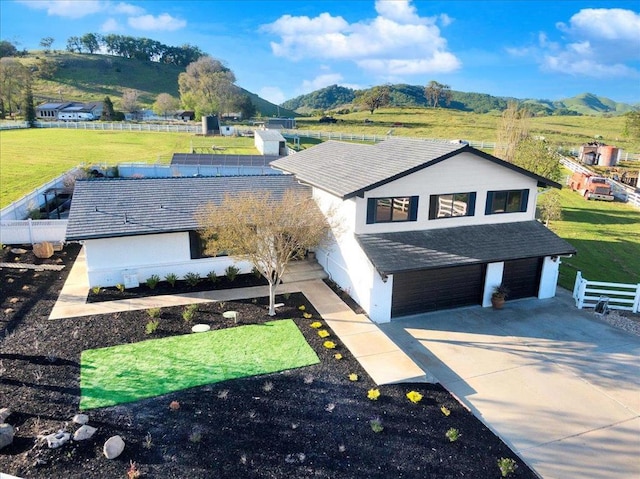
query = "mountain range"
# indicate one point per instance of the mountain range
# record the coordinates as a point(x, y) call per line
point(336, 97)
point(90, 77)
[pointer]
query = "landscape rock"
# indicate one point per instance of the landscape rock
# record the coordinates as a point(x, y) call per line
point(81, 419)
point(84, 432)
point(43, 250)
point(57, 439)
point(18, 250)
point(113, 447)
point(5, 412)
point(6, 435)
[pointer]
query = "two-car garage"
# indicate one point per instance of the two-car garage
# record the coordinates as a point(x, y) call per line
point(445, 288)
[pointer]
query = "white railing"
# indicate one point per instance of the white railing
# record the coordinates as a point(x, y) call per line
point(120, 126)
point(13, 125)
point(19, 209)
point(621, 296)
point(32, 231)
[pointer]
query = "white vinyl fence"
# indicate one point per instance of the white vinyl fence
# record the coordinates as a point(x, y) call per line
point(16, 232)
point(621, 296)
point(120, 126)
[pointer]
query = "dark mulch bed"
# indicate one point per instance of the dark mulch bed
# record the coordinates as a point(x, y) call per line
point(309, 422)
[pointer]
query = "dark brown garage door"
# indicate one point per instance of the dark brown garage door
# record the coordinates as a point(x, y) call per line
point(431, 290)
point(522, 277)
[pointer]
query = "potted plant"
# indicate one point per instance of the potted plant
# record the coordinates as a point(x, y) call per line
point(498, 296)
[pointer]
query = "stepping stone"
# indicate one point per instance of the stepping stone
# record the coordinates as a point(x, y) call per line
point(200, 328)
point(230, 315)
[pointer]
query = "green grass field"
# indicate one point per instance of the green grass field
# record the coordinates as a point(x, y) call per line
point(30, 158)
point(129, 372)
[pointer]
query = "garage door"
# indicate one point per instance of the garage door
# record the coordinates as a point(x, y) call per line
point(431, 290)
point(522, 277)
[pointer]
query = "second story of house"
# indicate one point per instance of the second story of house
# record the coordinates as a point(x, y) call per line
point(407, 184)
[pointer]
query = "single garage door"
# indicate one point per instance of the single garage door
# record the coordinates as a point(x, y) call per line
point(431, 290)
point(522, 277)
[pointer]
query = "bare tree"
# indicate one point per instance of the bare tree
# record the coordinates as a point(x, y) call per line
point(129, 100)
point(437, 94)
point(268, 231)
point(513, 128)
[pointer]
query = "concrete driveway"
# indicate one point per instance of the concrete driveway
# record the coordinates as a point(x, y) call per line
point(559, 386)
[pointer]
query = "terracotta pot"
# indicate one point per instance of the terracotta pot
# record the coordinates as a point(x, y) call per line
point(497, 302)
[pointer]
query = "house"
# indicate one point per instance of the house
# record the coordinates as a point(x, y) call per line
point(270, 142)
point(429, 225)
point(134, 228)
point(49, 111)
point(424, 225)
point(185, 115)
point(280, 123)
point(69, 111)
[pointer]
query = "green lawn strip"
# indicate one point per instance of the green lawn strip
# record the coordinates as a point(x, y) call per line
point(129, 372)
point(606, 236)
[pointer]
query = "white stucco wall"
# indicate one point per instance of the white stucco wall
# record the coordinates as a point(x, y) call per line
point(492, 278)
point(549, 277)
point(109, 259)
point(463, 173)
point(346, 263)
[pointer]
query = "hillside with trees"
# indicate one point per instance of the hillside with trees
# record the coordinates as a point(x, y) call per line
point(403, 95)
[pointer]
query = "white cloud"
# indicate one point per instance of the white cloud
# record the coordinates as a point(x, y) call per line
point(126, 9)
point(163, 22)
point(397, 38)
point(272, 94)
point(599, 43)
point(320, 81)
point(66, 8)
point(110, 25)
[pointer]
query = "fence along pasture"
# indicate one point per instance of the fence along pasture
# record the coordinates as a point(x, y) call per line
point(620, 296)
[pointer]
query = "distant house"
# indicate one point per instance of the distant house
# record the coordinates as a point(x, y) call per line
point(49, 111)
point(270, 142)
point(185, 115)
point(280, 123)
point(69, 111)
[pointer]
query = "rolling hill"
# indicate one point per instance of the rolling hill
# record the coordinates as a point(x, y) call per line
point(90, 77)
point(402, 95)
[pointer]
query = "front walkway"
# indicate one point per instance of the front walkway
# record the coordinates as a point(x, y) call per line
point(385, 362)
point(559, 386)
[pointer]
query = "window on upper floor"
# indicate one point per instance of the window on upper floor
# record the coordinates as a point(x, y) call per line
point(393, 209)
point(507, 201)
point(452, 205)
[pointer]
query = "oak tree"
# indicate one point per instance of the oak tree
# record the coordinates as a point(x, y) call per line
point(437, 94)
point(374, 98)
point(207, 86)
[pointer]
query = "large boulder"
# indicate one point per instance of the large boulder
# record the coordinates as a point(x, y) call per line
point(43, 250)
point(113, 447)
point(6, 435)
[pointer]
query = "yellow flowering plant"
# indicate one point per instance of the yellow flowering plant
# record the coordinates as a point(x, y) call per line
point(302, 308)
point(445, 410)
point(373, 394)
point(316, 324)
point(337, 356)
point(353, 377)
point(323, 333)
point(414, 396)
point(307, 315)
point(329, 345)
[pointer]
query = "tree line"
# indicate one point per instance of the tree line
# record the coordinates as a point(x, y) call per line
point(139, 48)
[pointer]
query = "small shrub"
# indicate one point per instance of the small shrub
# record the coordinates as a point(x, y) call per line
point(302, 307)
point(189, 312)
point(171, 278)
point(452, 434)
point(286, 296)
point(353, 377)
point(174, 405)
point(445, 411)
point(153, 280)
point(212, 276)
point(507, 466)
point(231, 272)
point(307, 315)
point(376, 424)
point(133, 472)
point(195, 436)
point(154, 312)
point(316, 324)
point(151, 326)
point(192, 279)
point(148, 441)
point(329, 344)
point(267, 386)
point(120, 287)
point(414, 396)
point(96, 289)
point(373, 394)
point(323, 333)
point(224, 394)
point(337, 356)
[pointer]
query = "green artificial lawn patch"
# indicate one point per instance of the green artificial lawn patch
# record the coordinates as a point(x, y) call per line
point(130, 372)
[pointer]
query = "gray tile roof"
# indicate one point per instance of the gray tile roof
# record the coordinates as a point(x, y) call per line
point(348, 169)
point(429, 249)
point(106, 208)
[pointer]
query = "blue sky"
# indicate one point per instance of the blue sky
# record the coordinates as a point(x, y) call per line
point(282, 49)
